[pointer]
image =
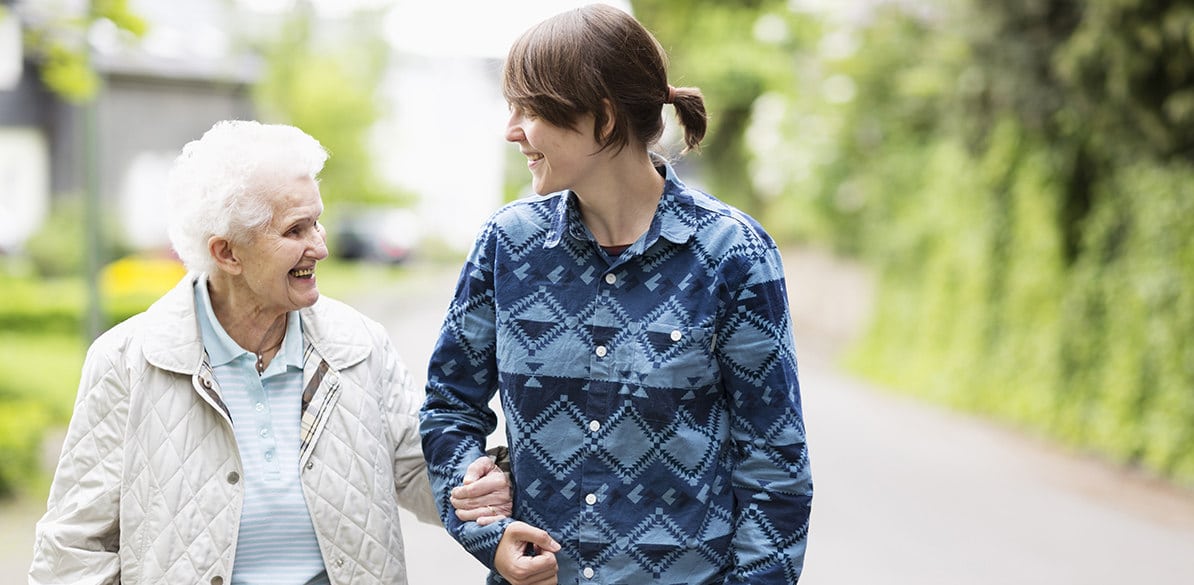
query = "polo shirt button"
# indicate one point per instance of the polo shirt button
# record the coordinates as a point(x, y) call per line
point(588, 572)
point(601, 351)
point(610, 278)
point(233, 477)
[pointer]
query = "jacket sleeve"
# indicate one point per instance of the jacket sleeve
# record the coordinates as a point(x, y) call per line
point(76, 541)
point(461, 380)
point(772, 481)
point(410, 468)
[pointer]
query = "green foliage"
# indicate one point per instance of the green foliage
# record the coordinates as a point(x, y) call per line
point(67, 72)
point(330, 91)
point(716, 46)
point(1031, 219)
point(21, 430)
point(38, 377)
point(1129, 312)
point(57, 248)
point(1129, 66)
point(59, 42)
point(49, 306)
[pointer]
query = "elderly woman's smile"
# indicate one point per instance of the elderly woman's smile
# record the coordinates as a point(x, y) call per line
point(273, 272)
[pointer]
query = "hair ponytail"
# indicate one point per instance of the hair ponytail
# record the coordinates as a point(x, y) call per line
point(689, 104)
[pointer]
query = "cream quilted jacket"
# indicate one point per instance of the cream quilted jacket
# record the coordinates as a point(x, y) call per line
point(148, 488)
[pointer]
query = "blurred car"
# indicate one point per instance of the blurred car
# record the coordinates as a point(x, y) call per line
point(386, 235)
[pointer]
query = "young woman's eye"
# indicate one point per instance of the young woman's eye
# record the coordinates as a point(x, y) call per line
point(523, 112)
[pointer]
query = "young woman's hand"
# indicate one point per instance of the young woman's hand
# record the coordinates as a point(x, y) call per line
point(526, 555)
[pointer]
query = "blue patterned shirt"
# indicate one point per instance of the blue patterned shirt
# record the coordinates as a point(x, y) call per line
point(651, 398)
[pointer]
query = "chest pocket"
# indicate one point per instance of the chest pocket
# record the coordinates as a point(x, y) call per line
point(676, 356)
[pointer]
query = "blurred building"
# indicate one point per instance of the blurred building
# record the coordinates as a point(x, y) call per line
point(442, 140)
point(446, 139)
point(155, 95)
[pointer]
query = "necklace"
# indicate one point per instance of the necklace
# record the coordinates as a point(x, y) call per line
point(261, 352)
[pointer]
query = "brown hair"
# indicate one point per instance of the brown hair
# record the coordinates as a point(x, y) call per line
point(568, 65)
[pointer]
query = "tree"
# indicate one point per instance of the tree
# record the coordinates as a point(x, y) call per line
point(58, 41)
point(714, 45)
point(328, 88)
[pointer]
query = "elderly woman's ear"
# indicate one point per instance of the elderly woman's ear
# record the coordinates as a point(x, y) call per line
point(223, 255)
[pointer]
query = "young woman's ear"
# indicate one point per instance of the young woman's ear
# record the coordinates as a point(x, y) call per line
point(221, 250)
point(607, 129)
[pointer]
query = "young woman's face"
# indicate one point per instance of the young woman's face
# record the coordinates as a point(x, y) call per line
point(279, 262)
point(558, 158)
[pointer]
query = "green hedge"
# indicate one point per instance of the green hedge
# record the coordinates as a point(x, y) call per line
point(39, 375)
point(42, 346)
point(981, 307)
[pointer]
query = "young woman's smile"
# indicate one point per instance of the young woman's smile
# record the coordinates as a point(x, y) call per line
point(558, 158)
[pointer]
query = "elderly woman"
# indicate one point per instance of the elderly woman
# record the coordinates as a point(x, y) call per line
point(243, 429)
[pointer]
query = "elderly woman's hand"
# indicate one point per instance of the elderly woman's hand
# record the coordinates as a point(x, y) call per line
point(484, 496)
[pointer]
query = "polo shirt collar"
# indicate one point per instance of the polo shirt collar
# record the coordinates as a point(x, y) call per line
point(221, 349)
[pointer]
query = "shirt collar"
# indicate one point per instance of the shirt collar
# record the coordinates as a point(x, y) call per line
point(671, 222)
point(221, 349)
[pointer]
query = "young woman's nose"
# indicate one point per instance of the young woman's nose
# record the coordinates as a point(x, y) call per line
point(514, 132)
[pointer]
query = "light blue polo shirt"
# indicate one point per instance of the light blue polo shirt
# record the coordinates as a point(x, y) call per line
point(276, 543)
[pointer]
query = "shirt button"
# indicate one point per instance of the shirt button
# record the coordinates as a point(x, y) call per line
point(269, 455)
point(676, 335)
point(601, 351)
point(588, 572)
point(217, 580)
point(610, 278)
point(591, 499)
point(260, 407)
point(594, 426)
point(264, 432)
point(233, 477)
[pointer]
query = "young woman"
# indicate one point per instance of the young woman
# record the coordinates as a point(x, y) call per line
point(638, 332)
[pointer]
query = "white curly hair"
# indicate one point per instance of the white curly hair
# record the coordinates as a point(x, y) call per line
point(221, 184)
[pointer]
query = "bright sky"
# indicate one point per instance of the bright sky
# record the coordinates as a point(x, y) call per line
point(478, 28)
point(474, 28)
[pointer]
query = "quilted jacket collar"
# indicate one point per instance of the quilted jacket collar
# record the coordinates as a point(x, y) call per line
point(173, 343)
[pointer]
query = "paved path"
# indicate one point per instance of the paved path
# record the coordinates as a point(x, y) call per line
point(907, 493)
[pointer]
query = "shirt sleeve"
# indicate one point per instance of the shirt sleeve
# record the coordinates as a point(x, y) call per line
point(77, 540)
point(772, 481)
point(461, 380)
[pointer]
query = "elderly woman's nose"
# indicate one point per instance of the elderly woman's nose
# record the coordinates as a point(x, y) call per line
point(319, 243)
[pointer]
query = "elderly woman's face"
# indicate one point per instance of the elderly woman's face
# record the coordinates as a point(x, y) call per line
point(279, 265)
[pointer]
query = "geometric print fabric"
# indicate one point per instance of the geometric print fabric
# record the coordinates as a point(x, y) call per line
point(651, 399)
